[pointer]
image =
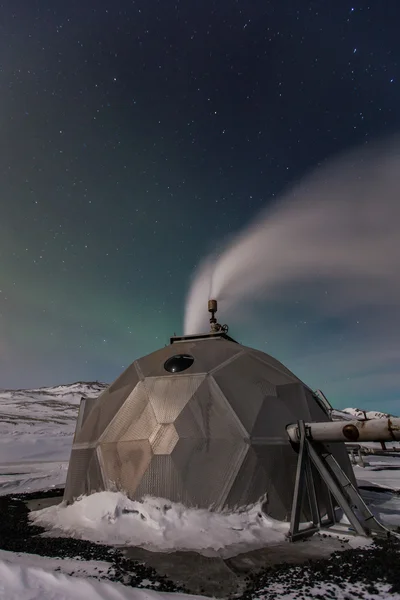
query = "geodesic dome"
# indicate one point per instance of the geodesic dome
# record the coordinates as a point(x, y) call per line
point(202, 422)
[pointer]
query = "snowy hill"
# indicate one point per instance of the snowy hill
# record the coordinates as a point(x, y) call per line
point(32, 421)
point(36, 431)
point(69, 393)
point(366, 414)
point(349, 414)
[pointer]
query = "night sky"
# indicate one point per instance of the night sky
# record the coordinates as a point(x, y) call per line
point(137, 135)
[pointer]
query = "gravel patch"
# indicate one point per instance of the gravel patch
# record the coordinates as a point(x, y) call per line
point(17, 534)
point(354, 573)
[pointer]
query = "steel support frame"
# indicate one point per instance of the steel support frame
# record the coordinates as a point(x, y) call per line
point(316, 457)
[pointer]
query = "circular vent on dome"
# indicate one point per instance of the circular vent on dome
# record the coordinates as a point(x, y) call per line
point(178, 363)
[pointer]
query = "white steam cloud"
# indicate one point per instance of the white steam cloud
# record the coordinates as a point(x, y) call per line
point(332, 240)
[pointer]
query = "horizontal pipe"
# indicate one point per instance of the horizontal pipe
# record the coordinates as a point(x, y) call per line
point(371, 430)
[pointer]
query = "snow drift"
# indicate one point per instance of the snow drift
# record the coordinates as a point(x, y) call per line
point(157, 524)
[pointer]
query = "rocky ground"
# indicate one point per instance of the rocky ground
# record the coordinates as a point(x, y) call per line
point(354, 573)
point(17, 534)
point(368, 572)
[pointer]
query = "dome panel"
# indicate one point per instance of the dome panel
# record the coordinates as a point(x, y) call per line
point(250, 483)
point(160, 476)
point(189, 422)
point(140, 428)
point(85, 408)
point(273, 363)
point(279, 494)
point(103, 412)
point(213, 353)
point(163, 439)
point(168, 395)
point(208, 468)
point(213, 413)
point(274, 374)
point(272, 419)
point(95, 481)
point(129, 378)
point(293, 397)
point(84, 476)
point(244, 384)
point(125, 464)
point(134, 420)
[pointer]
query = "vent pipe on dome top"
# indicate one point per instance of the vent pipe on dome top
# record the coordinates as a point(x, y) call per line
point(214, 326)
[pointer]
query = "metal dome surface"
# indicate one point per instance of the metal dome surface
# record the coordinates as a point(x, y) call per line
point(210, 435)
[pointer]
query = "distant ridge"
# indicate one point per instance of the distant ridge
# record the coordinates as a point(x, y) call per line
point(350, 414)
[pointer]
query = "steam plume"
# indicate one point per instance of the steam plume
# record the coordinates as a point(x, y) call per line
point(336, 231)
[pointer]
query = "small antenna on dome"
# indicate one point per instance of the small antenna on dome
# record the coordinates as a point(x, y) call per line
point(215, 327)
point(212, 308)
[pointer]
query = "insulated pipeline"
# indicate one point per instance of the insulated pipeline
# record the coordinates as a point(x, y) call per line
point(371, 430)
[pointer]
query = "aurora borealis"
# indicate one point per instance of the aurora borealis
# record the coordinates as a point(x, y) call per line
point(137, 135)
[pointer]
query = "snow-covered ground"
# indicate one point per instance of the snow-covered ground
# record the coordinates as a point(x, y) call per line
point(160, 525)
point(381, 471)
point(36, 431)
point(31, 577)
point(24, 582)
point(49, 412)
point(27, 476)
point(39, 424)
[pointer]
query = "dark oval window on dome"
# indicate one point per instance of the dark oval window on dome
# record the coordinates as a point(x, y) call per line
point(178, 363)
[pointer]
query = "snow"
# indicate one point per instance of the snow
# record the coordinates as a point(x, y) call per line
point(349, 414)
point(340, 415)
point(380, 471)
point(157, 524)
point(36, 432)
point(31, 477)
point(35, 426)
point(24, 582)
point(366, 414)
point(67, 566)
point(30, 577)
point(20, 581)
point(384, 505)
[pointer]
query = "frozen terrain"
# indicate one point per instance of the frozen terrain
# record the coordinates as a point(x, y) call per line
point(36, 431)
point(21, 581)
point(30, 577)
point(159, 525)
